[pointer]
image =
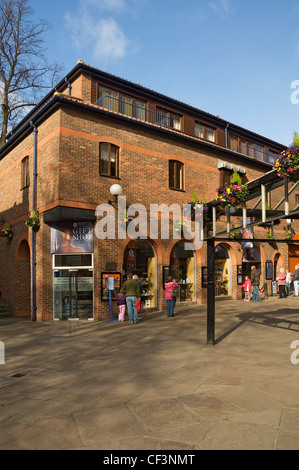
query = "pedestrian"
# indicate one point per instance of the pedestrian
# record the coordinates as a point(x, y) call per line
point(139, 283)
point(170, 286)
point(255, 282)
point(131, 290)
point(288, 282)
point(296, 280)
point(247, 288)
point(281, 281)
point(121, 303)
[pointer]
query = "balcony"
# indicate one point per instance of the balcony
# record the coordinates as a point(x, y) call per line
point(127, 108)
point(257, 153)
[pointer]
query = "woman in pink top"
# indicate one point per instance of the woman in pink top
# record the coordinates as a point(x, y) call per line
point(170, 302)
point(247, 288)
point(281, 281)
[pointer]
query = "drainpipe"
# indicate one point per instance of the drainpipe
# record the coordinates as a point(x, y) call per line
point(33, 262)
point(226, 138)
point(68, 85)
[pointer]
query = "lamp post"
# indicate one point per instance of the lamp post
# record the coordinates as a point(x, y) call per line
point(116, 190)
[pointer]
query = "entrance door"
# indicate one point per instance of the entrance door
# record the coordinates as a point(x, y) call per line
point(73, 294)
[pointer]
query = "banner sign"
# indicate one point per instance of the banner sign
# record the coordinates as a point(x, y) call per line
point(72, 237)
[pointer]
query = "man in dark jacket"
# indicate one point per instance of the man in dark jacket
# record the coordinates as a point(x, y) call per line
point(131, 290)
point(255, 282)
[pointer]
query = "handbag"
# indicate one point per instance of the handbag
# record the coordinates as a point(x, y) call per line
point(173, 293)
point(138, 305)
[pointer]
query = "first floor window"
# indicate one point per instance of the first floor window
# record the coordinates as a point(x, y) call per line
point(25, 173)
point(176, 175)
point(109, 155)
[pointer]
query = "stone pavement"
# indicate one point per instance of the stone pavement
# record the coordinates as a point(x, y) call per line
point(156, 385)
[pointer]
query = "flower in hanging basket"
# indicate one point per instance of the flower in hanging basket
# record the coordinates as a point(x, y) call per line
point(6, 232)
point(180, 226)
point(232, 194)
point(33, 221)
point(287, 165)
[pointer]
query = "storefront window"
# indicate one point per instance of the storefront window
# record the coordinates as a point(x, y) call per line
point(222, 271)
point(182, 269)
point(140, 259)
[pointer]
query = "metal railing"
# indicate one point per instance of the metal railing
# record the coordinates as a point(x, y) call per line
point(262, 155)
point(133, 110)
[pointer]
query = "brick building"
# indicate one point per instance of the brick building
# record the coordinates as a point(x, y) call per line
point(95, 130)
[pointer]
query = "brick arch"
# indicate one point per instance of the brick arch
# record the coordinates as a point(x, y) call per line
point(23, 279)
point(156, 244)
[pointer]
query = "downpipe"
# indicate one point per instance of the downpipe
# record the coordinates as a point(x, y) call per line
point(33, 234)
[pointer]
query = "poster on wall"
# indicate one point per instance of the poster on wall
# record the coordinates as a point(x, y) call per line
point(72, 237)
point(239, 275)
point(269, 270)
point(110, 281)
point(204, 276)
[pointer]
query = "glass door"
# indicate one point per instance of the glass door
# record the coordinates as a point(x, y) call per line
point(73, 294)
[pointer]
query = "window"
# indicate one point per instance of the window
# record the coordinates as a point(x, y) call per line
point(167, 119)
point(210, 134)
point(176, 175)
point(108, 99)
point(225, 176)
point(109, 155)
point(126, 105)
point(25, 173)
point(204, 132)
point(233, 142)
point(198, 130)
point(258, 152)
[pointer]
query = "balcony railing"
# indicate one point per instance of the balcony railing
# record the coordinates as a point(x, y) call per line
point(160, 118)
point(133, 110)
point(262, 155)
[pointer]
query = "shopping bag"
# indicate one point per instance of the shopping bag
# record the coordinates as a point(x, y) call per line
point(138, 305)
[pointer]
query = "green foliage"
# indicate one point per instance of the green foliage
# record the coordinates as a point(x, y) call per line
point(296, 139)
point(236, 178)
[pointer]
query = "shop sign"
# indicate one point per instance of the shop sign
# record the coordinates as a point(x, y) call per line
point(204, 277)
point(72, 237)
point(239, 275)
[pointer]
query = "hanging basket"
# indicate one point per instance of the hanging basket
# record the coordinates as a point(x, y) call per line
point(287, 165)
point(33, 221)
point(232, 194)
point(6, 232)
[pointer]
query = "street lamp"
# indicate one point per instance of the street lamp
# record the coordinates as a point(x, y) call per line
point(115, 190)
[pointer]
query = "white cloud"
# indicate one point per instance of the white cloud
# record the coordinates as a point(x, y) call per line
point(224, 7)
point(103, 36)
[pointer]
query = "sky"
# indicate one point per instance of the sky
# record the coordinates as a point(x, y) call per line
point(236, 59)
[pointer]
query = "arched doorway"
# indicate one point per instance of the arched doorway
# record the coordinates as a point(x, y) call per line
point(182, 268)
point(140, 259)
point(223, 271)
point(23, 291)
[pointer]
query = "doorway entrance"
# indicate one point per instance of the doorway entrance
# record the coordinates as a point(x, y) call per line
point(73, 294)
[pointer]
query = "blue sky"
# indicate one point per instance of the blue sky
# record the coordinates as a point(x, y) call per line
point(236, 59)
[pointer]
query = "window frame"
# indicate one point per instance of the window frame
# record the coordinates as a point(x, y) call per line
point(175, 163)
point(110, 145)
point(170, 116)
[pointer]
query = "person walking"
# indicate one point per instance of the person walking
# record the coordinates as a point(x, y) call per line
point(255, 281)
point(281, 281)
point(296, 280)
point(131, 290)
point(170, 285)
point(288, 282)
point(247, 288)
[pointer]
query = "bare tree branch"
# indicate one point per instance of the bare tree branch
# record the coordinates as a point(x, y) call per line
point(24, 71)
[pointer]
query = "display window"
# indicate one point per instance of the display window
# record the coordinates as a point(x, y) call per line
point(140, 259)
point(182, 269)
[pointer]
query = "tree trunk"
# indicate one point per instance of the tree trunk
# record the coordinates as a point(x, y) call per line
point(4, 124)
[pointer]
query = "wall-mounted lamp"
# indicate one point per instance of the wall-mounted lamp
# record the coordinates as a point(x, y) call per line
point(115, 190)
